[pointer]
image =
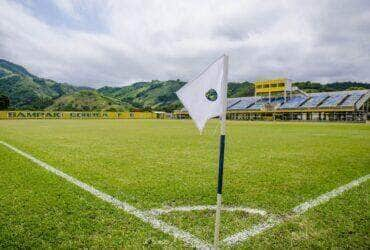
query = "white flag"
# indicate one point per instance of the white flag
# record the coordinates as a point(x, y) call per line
point(194, 94)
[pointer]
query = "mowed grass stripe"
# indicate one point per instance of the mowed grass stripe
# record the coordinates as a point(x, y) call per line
point(145, 217)
point(40, 210)
point(153, 164)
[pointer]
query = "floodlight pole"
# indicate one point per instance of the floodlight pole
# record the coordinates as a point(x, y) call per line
point(222, 152)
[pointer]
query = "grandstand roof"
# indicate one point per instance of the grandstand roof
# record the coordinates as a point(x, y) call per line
point(332, 100)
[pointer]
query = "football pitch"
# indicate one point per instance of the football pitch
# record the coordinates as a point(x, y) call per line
point(152, 183)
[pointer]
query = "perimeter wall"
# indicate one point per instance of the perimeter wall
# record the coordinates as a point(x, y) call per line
point(78, 115)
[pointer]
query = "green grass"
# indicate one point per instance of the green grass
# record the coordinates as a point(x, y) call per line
point(201, 223)
point(156, 163)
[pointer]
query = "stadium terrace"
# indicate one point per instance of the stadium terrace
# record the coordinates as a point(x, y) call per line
point(278, 100)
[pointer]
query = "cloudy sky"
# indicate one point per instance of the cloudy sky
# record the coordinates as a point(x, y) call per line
point(118, 42)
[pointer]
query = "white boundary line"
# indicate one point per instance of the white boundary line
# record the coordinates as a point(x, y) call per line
point(167, 210)
point(329, 195)
point(246, 234)
point(149, 216)
point(298, 210)
point(144, 216)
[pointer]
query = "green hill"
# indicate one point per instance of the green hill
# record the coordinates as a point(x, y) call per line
point(335, 86)
point(27, 91)
point(9, 67)
point(87, 100)
point(158, 95)
point(154, 95)
point(240, 89)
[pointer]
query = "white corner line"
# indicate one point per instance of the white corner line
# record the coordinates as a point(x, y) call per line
point(256, 229)
point(298, 210)
point(329, 195)
point(143, 216)
point(167, 210)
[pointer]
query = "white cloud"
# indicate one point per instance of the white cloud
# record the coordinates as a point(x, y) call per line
point(144, 40)
point(68, 7)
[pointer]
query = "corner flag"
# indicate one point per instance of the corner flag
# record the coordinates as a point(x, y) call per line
point(194, 97)
point(205, 97)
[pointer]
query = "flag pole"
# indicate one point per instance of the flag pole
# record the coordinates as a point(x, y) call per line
point(222, 152)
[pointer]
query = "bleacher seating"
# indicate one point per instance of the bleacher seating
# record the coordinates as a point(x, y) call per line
point(244, 103)
point(256, 106)
point(262, 102)
point(232, 101)
point(294, 102)
point(278, 100)
point(333, 100)
point(352, 99)
point(315, 100)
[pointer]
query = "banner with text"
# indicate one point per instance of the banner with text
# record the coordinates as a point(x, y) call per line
point(77, 115)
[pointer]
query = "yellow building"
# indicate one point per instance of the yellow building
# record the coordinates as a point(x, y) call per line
point(269, 88)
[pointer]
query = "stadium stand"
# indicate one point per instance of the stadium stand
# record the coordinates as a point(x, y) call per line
point(333, 100)
point(242, 103)
point(353, 98)
point(287, 102)
point(257, 105)
point(294, 102)
point(315, 100)
point(232, 101)
point(261, 103)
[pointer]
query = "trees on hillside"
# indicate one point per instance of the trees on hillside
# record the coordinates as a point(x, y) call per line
point(4, 102)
